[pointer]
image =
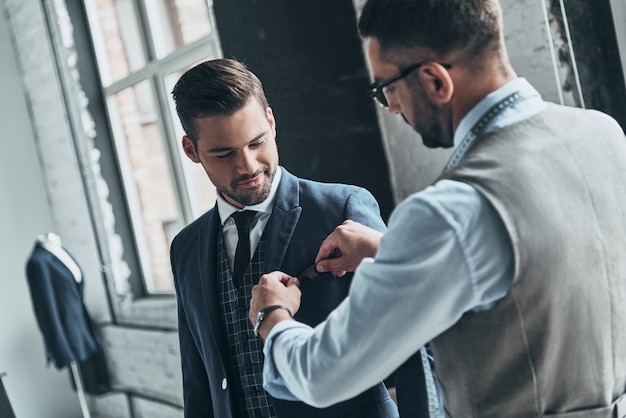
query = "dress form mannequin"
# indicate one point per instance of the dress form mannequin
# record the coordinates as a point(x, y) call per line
point(68, 333)
point(51, 242)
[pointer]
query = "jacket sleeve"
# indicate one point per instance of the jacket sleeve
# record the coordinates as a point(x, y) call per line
point(415, 378)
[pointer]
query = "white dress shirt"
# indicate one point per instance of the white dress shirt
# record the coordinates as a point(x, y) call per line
point(229, 228)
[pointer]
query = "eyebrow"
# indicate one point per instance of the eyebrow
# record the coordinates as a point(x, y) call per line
point(223, 149)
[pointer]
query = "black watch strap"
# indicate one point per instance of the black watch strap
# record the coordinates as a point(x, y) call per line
point(263, 314)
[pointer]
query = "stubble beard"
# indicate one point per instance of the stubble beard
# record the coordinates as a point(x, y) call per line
point(249, 197)
point(434, 137)
point(430, 123)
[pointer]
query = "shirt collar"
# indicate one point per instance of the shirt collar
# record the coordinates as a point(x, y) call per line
point(225, 209)
point(520, 85)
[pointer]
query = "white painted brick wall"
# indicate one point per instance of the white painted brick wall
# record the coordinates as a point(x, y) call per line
point(145, 409)
point(57, 156)
point(113, 405)
point(144, 361)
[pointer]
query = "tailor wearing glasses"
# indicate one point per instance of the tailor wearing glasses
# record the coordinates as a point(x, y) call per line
point(511, 265)
point(377, 89)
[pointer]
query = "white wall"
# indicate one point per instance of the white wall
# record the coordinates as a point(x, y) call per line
point(34, 390)
point(619, 19)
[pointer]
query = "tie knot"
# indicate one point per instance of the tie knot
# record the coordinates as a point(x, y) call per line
point(243, 219)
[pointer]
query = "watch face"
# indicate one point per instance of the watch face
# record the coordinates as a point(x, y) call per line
point(257, 323)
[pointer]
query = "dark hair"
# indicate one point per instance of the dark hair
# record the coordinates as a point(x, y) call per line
point(216, 87)
point(442, 26)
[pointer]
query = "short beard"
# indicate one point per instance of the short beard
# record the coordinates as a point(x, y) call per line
point(429, 123)
point(434, 137)
point(256, 197)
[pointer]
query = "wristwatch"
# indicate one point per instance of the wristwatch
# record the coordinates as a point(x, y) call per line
point(263, 313)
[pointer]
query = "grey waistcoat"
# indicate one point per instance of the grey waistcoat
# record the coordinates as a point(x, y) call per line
point(555, 346)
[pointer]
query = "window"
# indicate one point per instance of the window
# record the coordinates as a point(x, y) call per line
point(142, 48)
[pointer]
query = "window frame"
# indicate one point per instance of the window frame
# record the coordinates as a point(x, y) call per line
point(156, 73)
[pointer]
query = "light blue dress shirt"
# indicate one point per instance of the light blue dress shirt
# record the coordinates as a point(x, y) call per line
point(446, 252)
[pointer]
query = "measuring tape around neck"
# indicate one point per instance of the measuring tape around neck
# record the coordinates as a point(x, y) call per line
point(480, 126)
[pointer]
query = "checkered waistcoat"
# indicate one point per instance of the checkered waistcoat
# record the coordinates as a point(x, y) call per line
point(244, 349)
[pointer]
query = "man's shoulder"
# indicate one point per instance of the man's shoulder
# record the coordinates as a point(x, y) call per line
point(574, 118)
point(328, 189)
point(306, 192)
point(334, 197)
point(190, 232)
point(307, 184)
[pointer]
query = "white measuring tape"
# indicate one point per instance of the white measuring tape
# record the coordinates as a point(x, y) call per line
point(480, 126)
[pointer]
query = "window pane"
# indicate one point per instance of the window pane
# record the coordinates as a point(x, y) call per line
point(139, 40)
point(175, 23)
point(117, 38)
point(153, 199)
point(202, 193)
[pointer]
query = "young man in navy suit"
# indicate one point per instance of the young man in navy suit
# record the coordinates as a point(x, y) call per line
point(231, 131)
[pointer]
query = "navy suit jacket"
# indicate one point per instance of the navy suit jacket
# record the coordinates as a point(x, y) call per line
point(303, 215)
point(68, 331)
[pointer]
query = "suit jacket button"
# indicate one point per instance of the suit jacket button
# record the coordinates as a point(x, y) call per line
point(224, 384)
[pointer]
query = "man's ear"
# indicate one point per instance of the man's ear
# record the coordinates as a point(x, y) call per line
point(190, 149)
point(271, 119)
point(437, 82)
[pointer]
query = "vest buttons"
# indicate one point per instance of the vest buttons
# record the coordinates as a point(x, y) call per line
point(224, 384)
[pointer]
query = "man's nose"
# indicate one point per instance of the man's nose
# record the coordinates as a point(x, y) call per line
point(248, 162)
point(394, 107)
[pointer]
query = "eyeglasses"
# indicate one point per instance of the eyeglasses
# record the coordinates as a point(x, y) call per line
point(376, 90)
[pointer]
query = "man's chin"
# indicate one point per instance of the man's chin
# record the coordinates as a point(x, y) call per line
point(433, 143)
point(250, 199)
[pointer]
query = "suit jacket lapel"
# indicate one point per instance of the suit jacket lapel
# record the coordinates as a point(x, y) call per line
point(285, 216)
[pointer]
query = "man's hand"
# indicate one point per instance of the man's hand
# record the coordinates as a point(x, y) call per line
point(275, 288)
point(344, 249)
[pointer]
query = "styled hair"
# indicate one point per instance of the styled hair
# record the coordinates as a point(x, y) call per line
point(216, 87)
point(441, 26)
